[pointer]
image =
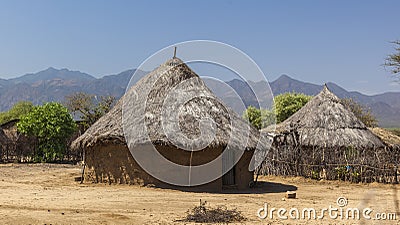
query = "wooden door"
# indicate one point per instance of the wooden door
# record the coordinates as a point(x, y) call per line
point(228, 160)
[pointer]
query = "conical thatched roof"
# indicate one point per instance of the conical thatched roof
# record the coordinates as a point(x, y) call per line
point(325, 122)
point(145, 102)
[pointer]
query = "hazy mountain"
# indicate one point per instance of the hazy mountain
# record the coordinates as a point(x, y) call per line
point(286, 84)
point(386, 106)
point(52, 74)
point(53, 85)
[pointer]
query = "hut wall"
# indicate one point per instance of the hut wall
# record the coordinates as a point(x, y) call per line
point(114, 164)
point(243, 176)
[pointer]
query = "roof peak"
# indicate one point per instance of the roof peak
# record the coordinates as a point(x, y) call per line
point(174, 62)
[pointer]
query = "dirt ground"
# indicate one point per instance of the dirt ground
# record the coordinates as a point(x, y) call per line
point(48, 194)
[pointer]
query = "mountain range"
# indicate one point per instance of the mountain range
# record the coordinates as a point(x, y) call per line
point(54, 84)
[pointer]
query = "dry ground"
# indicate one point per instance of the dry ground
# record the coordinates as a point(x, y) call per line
point(48, 194)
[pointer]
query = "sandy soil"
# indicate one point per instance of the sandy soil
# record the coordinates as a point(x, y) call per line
point(48, 194)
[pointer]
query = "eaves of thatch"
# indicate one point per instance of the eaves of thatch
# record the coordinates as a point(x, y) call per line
point(325, 122)
point(149, 95)
point(387, 137)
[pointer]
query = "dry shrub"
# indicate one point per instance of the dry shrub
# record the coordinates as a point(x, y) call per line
point(208, 214)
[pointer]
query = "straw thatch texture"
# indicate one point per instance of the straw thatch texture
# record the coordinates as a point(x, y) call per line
point(325, 140)
point(387, 137)
point(325, 122)
point(172, 82)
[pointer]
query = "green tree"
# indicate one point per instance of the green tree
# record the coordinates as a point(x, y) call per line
point(19, 109)
point(90, 107)
point(393, 60)
point(53, 126)
point(361, 112)
point(259, 118)
point(288, 103)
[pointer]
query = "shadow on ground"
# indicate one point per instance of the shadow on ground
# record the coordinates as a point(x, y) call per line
point(260, 187)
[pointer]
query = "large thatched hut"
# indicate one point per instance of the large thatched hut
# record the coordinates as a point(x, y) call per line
point(108, 158)
point(324, 139)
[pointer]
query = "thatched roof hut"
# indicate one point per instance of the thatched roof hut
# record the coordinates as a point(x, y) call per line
point(172, 91)
point(325, 122)
point(16, 147)
point(324, 139)
point(10, 129)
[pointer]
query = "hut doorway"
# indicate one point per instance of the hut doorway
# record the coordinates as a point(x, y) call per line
point(228, 160)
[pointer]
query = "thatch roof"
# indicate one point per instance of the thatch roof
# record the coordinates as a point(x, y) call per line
point(10, 129)
point(325, 122)
point(387, 137)
point(144, 104)
point(3, 138)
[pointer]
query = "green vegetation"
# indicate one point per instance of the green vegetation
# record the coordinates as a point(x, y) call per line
point(361, 112)
point(259, 118)
point(288, 103)
point(393, 60)
point(285, 105)
point(89, 106)
point(16, 112)
point(53, 126)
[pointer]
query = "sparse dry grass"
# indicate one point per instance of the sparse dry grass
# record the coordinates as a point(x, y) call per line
point(204, 213)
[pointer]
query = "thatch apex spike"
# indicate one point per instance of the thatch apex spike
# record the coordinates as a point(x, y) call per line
point(174, 52)
point(326, 86)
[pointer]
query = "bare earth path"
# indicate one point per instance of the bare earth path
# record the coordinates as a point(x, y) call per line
point(48, 194)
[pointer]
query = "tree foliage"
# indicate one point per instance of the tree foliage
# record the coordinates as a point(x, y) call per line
point(361, 112)
point(259, 118)
point(288, 103)
point(393, 60)
point(89, 107)
point(53, 126)
point(19, 109)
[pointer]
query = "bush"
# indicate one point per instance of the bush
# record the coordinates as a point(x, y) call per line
point(259, 118)
point(288, 103)
point(52, 125)
point(16, 112)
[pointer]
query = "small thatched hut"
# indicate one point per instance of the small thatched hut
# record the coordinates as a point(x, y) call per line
point(4, 142)
point(106, 153)
point(17, 147)
point(326, 140)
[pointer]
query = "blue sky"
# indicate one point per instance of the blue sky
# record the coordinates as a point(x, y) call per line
point(316, 41)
